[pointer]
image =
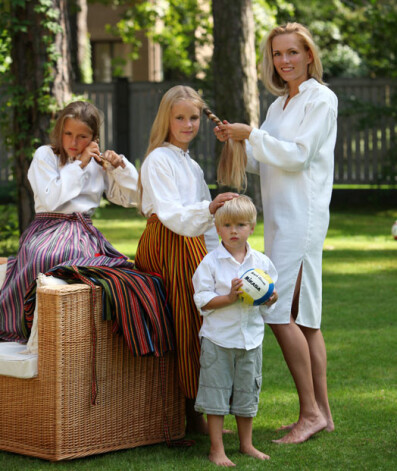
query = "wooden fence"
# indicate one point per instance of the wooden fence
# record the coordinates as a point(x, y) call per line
point(365, 153)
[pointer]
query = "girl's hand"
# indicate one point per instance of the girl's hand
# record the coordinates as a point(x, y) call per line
point(235, 131)
point(220, 200)
point(90, 152)
point(114, 159)
point(273, 298)
point(235, 290)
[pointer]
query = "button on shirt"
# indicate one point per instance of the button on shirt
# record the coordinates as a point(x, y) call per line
point(238, 325)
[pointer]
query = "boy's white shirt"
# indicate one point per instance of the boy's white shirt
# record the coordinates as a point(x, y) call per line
point(238, 325)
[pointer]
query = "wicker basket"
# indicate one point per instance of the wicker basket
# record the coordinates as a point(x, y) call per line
point(51, 416)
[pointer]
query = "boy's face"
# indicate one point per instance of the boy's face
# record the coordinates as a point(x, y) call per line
point(235, 234)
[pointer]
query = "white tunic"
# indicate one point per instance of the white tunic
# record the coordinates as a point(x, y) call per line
point(295, 149)
point(70, 188)
point(175, 190)
point(238, 325)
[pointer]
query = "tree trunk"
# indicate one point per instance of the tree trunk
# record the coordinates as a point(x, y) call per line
point(234, 67)
point(79, 41)
point(30, 64)
point(234, 61)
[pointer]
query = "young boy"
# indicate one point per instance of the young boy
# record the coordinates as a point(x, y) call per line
point(232, 332)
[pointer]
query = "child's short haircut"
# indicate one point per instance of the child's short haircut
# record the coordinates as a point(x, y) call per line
point(238, 209)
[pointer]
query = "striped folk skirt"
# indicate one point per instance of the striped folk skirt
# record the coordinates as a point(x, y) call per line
point(52, 238)
point(176, 258)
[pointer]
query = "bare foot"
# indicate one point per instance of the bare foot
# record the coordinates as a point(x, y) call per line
point(328, 417)
point(220, 459)
point(303, 430)
point(330, 425)
point(286, 427)
point(252, 451)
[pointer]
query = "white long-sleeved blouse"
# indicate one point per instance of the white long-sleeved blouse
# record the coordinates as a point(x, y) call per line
point(70, 188)
point(175, 190)
point(294, 154)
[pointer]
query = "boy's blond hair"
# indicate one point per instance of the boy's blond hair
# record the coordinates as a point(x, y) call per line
point(239, 209)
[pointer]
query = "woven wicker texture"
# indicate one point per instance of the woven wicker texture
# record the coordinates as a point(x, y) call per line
point(51, 416)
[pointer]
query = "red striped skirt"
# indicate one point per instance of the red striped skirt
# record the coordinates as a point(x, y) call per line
point(176, 258)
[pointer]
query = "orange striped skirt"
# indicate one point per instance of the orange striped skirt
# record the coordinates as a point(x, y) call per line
point(176, 258)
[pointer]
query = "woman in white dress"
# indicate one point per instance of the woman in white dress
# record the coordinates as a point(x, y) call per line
point(293, 152)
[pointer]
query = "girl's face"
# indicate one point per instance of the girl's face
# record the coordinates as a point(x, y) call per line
point(291, 59)
point(184, 124)
point(76, 136)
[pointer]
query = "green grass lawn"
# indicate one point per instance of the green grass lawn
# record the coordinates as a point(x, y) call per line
point(360, 330)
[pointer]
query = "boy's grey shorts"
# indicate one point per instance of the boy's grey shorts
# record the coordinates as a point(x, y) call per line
point(230, 380)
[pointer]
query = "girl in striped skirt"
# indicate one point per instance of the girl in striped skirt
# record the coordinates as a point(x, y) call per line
point(180, 228)
point(68, 179)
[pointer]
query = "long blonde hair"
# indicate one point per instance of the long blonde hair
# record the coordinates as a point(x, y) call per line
point(81, 110)
point(232, 161)
point(271, 79)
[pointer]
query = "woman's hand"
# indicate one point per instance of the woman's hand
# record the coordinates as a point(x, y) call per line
point(235, 131)
point(220, 199)
point(114, 159)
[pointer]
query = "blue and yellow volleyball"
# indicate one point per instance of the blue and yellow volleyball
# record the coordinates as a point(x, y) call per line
point(257, 287)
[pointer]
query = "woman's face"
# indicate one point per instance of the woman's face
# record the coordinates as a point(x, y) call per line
point(184, 123)
point(76, 136)
point(291, 59)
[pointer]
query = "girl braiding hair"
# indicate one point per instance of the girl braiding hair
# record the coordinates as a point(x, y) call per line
point(82, 111)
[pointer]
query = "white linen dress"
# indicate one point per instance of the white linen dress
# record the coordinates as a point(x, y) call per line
point(294, 153)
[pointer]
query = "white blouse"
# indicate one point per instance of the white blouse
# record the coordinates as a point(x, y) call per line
point(175, 190)
point(294, 153)
point(70, 188)
point(238, 325)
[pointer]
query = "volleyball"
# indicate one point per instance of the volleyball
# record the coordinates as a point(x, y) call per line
point(257, 287)
point(394, 230)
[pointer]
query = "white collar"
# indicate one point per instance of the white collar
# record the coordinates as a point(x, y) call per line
point(176, 149)
point(224, 253)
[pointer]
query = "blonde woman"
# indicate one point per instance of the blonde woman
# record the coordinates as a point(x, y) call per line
point(180, 227)
point(293, 152)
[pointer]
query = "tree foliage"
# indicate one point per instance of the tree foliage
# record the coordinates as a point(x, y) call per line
point(36, 76)
point(351, 34)
point(179, 26)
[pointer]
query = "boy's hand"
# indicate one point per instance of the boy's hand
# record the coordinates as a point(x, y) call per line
point(273, 298)
point(235, 290)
